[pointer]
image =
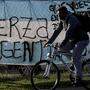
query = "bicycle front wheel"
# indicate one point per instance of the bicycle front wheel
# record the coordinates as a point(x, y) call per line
point(45, 76)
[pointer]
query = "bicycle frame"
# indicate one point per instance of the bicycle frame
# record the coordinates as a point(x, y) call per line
point(49, 70)
point(55, 53)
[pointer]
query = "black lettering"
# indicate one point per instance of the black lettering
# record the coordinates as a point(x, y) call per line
point(52, 8)
point(13, 24)
point(28, 29)
point(2, 27)
point(7, 53)
point(40, 28)
point(26, 48)
point(16, 50)
point(54, 17)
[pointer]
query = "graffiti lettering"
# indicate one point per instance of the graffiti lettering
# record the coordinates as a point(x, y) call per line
point(26, 48)
point(81, 4)
point(2, 27)
point(8, 51)
point(15, 50)
point(52, 8)
point(40, 28)
point(28, 30)
point(13, 21)
point(20, 50)
point(54, 15)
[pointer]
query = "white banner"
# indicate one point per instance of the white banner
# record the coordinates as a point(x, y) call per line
point(23, 23)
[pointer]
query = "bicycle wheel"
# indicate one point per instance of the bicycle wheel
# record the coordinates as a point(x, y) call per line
point(45, 76)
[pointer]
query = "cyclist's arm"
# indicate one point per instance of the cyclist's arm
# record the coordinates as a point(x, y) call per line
point(56, 33)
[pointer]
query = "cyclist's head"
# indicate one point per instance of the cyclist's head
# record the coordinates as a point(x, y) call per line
point(63, 12)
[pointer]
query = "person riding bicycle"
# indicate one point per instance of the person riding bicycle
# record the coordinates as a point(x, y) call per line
point(75, 39)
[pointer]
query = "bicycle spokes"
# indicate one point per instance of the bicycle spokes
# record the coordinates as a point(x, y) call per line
point(47, 70)
point(47, 76)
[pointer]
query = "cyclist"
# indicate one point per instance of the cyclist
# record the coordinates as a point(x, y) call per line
point(75, 39)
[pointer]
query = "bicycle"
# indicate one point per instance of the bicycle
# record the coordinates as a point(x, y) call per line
point(47, 71)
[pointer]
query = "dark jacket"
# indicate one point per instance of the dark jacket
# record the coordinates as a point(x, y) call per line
point(74, 33)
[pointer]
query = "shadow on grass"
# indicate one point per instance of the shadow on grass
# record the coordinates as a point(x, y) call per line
point(68, 83)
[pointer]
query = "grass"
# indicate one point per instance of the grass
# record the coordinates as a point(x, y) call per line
point(15, 81)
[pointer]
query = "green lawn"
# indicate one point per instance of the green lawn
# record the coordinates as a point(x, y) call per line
point(14, 82)
point(18, 82)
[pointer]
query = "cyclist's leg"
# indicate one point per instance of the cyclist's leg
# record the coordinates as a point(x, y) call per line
point(77, 53)
point(69, 46)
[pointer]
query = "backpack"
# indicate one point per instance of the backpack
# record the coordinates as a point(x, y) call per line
point(85, 21)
